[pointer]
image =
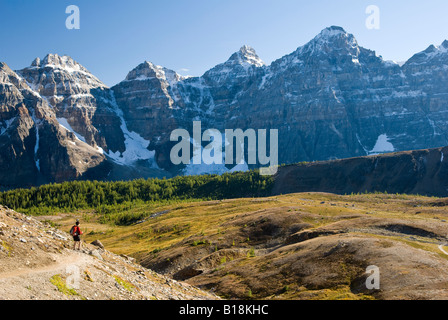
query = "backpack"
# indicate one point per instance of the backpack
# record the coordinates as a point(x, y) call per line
point(75, 231)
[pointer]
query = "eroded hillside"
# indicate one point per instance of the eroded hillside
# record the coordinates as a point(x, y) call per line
point(37, 263)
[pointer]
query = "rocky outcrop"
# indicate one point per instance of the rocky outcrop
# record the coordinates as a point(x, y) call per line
point(34, 147)
point(146, 98)
point(79, 100)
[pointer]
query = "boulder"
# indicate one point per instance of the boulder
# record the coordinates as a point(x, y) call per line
point(97, 243)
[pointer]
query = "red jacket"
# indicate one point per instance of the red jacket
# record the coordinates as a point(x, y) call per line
point(76, 231)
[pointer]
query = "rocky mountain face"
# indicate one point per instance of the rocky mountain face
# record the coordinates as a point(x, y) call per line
point(34, 147)
point(330, 99)
point(59, 122)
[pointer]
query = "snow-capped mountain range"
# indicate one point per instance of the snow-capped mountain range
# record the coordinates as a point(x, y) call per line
point(329, 99)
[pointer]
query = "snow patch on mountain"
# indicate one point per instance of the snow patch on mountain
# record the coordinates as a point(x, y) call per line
point(6, 125)
point(136, 145)
point(382, 145)
point(64, 123)
point(36, 146)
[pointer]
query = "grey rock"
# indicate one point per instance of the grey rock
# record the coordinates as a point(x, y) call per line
point(98, 243)
point(60, 237)
point(96, 254)
point(130, 259)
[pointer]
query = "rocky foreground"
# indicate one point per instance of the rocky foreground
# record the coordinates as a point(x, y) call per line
point(37, 263)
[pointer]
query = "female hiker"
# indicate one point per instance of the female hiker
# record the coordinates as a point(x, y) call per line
point(76, 232)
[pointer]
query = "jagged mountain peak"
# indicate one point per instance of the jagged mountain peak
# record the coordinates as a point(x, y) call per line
point(60, 62)
point(332, 43)
point(431, 53)
point(432, 49)
point(443, 48)
point(247, 48)
point(55, 66)
point(4, 67)
point(8, 76)
point(331, 39)
point(246, 55)
point(333, 31)
point(240, 64)
point(5, 73)
point(36, 62)
point(143, 70)
point(148, 70)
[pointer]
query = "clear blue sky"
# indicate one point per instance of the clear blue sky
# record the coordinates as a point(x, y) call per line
point(195, 35)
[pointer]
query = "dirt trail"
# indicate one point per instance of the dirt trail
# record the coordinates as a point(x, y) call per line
point(74, 258)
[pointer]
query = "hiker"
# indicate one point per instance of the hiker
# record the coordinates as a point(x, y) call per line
point(76, 232)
